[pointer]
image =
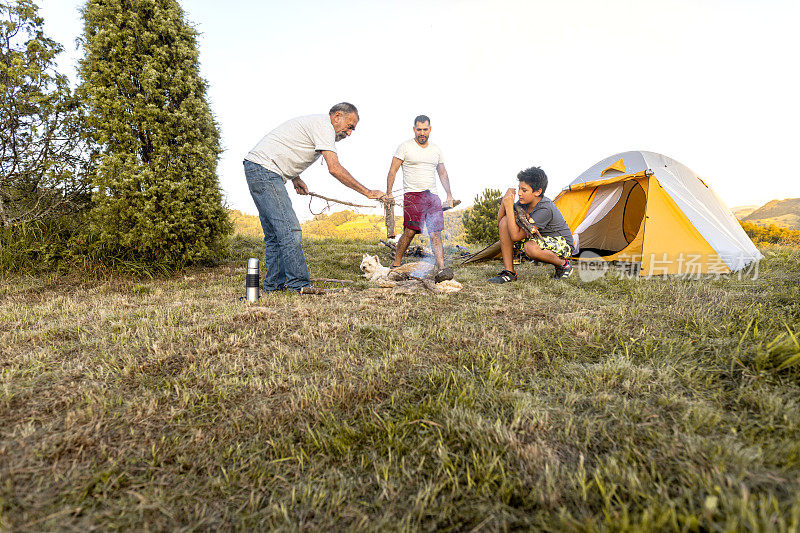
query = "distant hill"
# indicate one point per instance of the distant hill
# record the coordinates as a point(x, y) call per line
point(782, 213)
point(350, 225)
point(741, 211)
point(345, 225)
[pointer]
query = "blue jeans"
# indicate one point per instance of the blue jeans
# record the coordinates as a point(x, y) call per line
point(285, 263)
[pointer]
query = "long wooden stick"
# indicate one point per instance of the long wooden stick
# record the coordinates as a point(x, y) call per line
point(331, 280)
point(315, 195)
point(317, 290)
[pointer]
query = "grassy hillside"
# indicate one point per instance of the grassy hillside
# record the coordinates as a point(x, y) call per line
point(616, 405)
point(349, 225)
point(788, 221)
point(782, 213)
point(345, 225)
point(246, 225)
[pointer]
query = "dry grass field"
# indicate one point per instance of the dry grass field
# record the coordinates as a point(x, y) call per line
point(615, 405)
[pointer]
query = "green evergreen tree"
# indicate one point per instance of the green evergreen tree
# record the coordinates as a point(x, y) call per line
point(480, 220)
point(157, 196)
point(42, 174)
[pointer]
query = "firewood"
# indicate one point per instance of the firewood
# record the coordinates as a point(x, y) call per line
point(411, 251)
point(388, 209)
point(522, 221)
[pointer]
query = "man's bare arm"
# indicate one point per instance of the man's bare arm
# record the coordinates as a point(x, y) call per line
point(445, 179)
point(393, 168)
point(340, 173)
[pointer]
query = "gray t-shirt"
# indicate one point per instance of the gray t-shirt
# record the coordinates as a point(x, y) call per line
point(293, 146)
point(549, 220)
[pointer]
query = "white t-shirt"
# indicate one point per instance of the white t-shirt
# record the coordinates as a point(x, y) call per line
point(293, 146)
point(419, 165)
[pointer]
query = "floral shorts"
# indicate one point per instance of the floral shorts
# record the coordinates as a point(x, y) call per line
point(557, 245)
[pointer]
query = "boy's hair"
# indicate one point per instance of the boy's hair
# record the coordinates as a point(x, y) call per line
point(535, 177)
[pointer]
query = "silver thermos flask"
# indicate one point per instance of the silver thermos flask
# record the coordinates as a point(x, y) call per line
point(252, 282)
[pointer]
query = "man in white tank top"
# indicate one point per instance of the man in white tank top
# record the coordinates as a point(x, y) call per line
point(422, 208)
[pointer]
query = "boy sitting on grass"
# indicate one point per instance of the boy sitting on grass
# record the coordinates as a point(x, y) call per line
point(554, 243)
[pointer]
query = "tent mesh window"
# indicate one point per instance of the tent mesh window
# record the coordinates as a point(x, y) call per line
point(614, 218)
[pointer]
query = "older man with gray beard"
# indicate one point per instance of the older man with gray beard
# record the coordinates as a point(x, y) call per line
point(280, 156)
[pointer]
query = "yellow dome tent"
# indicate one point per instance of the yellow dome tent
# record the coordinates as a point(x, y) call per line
point(655, 214)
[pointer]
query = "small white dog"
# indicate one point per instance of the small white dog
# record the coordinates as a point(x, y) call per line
point(372, 268)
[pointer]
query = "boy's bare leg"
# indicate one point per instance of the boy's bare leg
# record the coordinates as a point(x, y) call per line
point(533, 251)
point(506, 245)
point(438, 249)
point(402, 245)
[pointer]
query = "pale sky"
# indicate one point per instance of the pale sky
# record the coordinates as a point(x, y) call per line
point(507, 84)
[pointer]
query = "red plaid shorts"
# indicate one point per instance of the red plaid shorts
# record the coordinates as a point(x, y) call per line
point(422, 210)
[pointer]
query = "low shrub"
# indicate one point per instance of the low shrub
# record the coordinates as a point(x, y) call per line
point(771, 234)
